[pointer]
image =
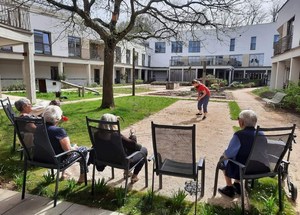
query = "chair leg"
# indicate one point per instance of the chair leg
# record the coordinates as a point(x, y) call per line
point(52, 173)
point(112, 173)
point(146, 172)
point(14, 143)
point(242, 192)
point(216, 180)
point(93, 179)
point(56, 186)
point(24, 178)
point(126, 185)
point(280, 189)
point(160, 181)
point(197, 194)
point(153, 179)
point(202, 179)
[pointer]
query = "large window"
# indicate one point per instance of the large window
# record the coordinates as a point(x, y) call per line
point(42, 42)
point(176, 47)
point(235, 60)
point(253, 43)
point(256, 60)
point(176, 61)
point(74, 44)
point(232, 44)
point(128, 55)
point(160, 47)
point(94, 51)
point(194, 46)
point(118, 54)
point(143, 60)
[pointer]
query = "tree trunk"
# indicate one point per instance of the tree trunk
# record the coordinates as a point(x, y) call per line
point(107, 90)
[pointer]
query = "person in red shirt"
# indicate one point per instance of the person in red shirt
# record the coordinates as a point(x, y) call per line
point(203, 97)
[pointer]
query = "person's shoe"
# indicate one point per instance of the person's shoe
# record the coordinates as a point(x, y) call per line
point(237, 187)
point(134, 179)
point(227, 191)
point(198, 114)
point(204, 117)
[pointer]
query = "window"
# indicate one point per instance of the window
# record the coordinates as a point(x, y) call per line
point(136, 58)
point(176, 47)
point(194, 60)
point(128, 55)
point(6, 49)
point(149, 61)
point(54, 73)
point(160, 47)
point(256, 60)
point(143, 60)
point(118, 54)
point(276, 38)
point(176, 61)
point(253, 43)
point(74, 44)
point(42, 42)
point(235, 60)
point(94, 51)
point(232, 44)
point(194, 46)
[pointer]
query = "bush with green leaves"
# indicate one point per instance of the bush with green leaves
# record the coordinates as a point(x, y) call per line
point(292, 99)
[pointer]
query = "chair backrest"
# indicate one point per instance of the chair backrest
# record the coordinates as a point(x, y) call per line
point(8, 109)
point(278, 97)
point(34, 138)
point(107, 142)
point(176, 143)
point(269, 148)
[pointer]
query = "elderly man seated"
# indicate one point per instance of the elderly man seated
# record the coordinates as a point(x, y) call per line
point(238, 149)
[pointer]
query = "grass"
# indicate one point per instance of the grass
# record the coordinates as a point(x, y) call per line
point(133, 109)
point(73, 95)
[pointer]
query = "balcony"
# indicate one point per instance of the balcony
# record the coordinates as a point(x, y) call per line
point(283, 45)
point(14, 15)
point(209, 62)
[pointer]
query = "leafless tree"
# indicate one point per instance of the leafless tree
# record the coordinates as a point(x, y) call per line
point(117, 20)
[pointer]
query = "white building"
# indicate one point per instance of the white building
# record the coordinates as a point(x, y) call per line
point(41, 49)
point(286, 59)
point(55, 53)
point(240, 53)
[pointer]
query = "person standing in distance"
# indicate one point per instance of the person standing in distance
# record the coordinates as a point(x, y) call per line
point(203, 97)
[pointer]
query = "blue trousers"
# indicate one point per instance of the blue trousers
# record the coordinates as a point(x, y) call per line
point(203, 102)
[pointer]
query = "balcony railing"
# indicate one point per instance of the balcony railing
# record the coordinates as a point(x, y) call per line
point(216, 62)
point(14, 15)
point(283, 45)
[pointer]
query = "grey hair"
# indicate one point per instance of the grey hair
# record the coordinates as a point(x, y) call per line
point(249, 118)
point(20, 104)
point(108, 117)
point(52, 114)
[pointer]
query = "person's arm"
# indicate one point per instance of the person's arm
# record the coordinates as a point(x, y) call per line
point(130, 143)
point(65, 144)
point(233, 148)
point(202, 95)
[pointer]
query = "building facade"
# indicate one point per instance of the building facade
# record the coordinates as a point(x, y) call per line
point(286, 59)
point(231, 54)
point(37, 45)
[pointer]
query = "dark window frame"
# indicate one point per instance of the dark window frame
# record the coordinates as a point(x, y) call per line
point(232, 44)
point(194, 46)
point(176, 47)
point(160, 47)
point(42, 42)
point(253, 43)
point(76, 50)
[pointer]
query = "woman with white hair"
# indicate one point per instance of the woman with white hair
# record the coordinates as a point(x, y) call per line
point(60, 140)
point(130, 146)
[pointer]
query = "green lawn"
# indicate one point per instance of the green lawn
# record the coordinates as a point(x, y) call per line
point(73, 95)
point(133, 109)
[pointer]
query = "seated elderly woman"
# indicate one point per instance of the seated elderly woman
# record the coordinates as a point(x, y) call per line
point(130, 146)
point(24, 106)
point(60, 140)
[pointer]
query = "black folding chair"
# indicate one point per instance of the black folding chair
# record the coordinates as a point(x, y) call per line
point(8, 109)
point(38, 150)
point(174, 150)
point(265, 159)
point(108, 149)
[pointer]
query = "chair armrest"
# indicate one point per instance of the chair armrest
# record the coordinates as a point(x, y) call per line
point(151, 158)
point(201, 163)
point(64, 153)
point(133, 154)
point(237, 163)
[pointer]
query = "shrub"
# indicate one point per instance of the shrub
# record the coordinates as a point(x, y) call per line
point(139, 81)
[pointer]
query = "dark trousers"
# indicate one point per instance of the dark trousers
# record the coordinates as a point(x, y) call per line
point(136, 159)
